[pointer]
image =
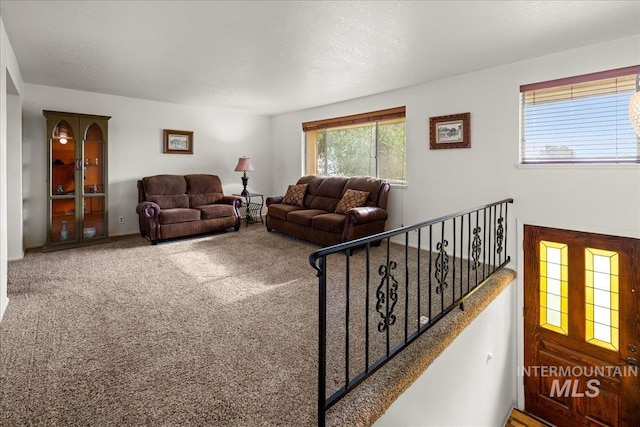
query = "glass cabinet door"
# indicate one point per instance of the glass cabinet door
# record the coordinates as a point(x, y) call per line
point(62, 183)
point(93, 181)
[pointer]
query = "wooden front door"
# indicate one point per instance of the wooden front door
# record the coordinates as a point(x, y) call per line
point(581, 328)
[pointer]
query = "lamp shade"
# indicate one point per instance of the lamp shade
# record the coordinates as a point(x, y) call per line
point(634, 112)
point(243, 165)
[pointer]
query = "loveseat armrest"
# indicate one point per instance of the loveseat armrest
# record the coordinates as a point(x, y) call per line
point(365, 214)
point(274, 199)
point(231, 200)
point(148, 218)
point(148, 209)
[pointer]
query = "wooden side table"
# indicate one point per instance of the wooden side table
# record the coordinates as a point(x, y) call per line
point(251, 209)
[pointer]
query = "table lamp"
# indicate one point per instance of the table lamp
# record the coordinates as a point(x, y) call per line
point(243, 166)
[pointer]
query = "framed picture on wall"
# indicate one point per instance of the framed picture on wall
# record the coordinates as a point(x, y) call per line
point(178, 141)
point(452, 131)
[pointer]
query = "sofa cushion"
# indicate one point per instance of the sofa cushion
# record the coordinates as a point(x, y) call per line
point(351, 199)
point(216, 211)
point(332, 186)
point(197, 200)
point(326, 194)
point(164, 184)
point(367, 183)
point(295, 195)
point(324, 203)
point(304, 216)
point(173, 216)
point(203, 184)
point(314, 182)
point(169, 201)
point(331, 222)
point(280, 210)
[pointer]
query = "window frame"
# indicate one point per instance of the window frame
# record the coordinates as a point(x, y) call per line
point(374, 118)
point(579, 160)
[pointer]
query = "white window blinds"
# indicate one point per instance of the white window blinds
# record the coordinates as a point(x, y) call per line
point(580, 119)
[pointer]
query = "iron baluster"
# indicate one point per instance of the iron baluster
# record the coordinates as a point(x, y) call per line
point(500, 235)
point(442, 266)
point(388, 297)
point(347, 258)
point(477, 248)
point(430, 269)
point(484, 242)
point(419, 276)
point(469, 254)
point(453, 273)
point(406, 287)
point(322, 338)
point(367, 303)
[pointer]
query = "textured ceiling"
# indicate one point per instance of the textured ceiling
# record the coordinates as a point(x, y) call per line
point(269, 57)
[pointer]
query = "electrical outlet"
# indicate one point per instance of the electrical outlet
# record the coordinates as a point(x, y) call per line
point(121, 219)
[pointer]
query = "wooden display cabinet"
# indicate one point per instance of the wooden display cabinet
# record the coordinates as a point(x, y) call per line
point(77, 187)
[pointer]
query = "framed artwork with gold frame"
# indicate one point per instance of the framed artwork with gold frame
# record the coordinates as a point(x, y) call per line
point(452, 131)
point(178, 142)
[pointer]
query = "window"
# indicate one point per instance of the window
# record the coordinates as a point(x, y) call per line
point(601, 297)
point(554, 286)
point(371, 144)
point(580, 119)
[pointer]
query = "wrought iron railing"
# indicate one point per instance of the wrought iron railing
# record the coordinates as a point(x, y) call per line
point(376, 295)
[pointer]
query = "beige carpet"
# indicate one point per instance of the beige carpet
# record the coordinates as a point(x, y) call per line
point(219, 330)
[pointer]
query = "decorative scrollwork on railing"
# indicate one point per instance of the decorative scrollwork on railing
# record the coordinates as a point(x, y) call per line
point(499, 235)
point(442, 266)
point(388, 318)
point(476, 248)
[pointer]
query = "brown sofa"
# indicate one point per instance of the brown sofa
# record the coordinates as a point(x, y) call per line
point(317, 221)
point(176, 206)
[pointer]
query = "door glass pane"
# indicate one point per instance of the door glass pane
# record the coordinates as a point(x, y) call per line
point(93, 160)
point(63, 148)
point(554, 286)
point(93, 217)
point(63, 216)
point(601, 296)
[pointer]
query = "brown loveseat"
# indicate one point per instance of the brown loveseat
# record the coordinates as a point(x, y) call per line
point(312, 215)
point(176, 205)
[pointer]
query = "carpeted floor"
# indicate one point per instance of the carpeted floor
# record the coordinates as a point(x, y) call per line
point(218, 330)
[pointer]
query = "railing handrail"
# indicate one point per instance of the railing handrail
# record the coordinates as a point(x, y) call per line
point(476, 244)
point(394, 232)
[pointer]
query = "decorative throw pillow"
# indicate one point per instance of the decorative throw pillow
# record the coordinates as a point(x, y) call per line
point(295, 195)
point(351, 199)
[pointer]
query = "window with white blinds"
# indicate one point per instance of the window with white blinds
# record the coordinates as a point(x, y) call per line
point(582, 119)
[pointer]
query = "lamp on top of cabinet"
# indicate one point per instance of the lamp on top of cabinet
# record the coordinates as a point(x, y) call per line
point(243, 166)
point(62, 133)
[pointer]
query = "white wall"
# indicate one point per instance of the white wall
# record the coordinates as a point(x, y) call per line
point(15, 235)
point(135, 149)
point(472, 388)
point(597, 198)
point(11, 86)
